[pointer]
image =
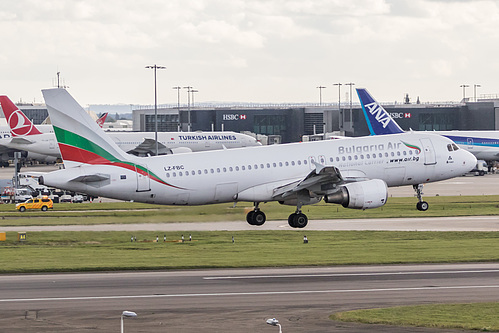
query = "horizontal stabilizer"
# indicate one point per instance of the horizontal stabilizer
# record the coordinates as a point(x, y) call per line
point(21, 141)
point(91, 178)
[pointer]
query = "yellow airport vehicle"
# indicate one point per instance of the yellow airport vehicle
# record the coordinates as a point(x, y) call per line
point(36, 203)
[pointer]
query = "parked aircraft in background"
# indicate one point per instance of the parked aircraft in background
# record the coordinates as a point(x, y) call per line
point(27, 137)
point(483, 144)
point(354, 173)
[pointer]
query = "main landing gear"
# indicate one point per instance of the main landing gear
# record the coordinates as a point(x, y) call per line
point(295, 220)
point(421, 205)
point(256, 216)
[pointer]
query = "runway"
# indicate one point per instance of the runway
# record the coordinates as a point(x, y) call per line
point(234, 300)
point(461, 223)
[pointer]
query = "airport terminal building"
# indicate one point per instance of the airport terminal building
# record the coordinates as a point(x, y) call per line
point(291, 123)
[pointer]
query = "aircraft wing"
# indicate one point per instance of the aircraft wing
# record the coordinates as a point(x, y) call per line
point(318, 181)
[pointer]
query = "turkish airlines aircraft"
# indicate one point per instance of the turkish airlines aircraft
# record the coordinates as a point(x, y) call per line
point(483, 144)
point(27, 137)
point(354, 173)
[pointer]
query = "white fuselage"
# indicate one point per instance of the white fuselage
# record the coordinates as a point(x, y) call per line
point(483, 144)
point(46, 143)
point(252, 174)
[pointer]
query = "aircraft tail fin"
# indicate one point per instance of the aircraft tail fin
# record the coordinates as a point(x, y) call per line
point(378, 120)
point(102, 119)
point(80, 139)
point(19, 124)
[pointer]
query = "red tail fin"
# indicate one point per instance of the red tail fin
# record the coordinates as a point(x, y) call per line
point(19, 124)
point(102, 119)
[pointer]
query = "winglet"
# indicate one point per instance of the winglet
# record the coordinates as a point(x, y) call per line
point(378, 120)
point(19, 124)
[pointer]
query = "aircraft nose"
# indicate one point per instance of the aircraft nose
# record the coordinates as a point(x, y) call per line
point(469, 160)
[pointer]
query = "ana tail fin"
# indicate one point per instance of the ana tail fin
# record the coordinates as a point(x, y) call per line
point(102, 119)
point(378, 120)
point(19, 124)
point(81, 140)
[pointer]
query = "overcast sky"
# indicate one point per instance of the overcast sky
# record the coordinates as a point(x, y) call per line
point(248, 50)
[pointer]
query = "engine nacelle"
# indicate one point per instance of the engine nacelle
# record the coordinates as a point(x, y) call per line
point(360, 195)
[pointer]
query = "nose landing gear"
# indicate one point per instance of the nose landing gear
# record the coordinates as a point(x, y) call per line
point(421, 205)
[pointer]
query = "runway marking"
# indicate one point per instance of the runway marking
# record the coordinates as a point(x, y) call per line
point(266, 293)
point(343, 274)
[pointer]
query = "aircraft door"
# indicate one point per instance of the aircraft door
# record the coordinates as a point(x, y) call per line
point(428, 151)
point(143, 180)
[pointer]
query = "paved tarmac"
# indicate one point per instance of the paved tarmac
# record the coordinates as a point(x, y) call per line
point(234, 300)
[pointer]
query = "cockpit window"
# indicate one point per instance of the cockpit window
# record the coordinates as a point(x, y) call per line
point(452, 147)
point(455, 146)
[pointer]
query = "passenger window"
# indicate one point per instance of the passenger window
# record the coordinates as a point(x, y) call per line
point(261, 166)
point(230, 169)
point(167, 175)
point(268, 166)
point(249, 167)
point(287, 163)
point(218, 170)
point(356, 157)
point(243, 168)
point(205, 171)
point(280, 164)
point(212, 171)
point(274, 165)
point(237, 168)
point(293, 163)
point(225, 169)
point(305, 161)
point(349, 157)
point(174, 174)
point(299, 162)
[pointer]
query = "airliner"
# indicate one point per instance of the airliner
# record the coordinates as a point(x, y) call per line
point(26, 136)
point(354, 173)
point(483, 144)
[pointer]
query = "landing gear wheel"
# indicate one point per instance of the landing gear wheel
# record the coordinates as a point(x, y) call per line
point(422, 206)
point(259, 218)
point(298, 220)
point(249, 217)
point(256, 217)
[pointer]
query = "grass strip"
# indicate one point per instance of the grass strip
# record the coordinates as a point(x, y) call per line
point(474, 316)
point(128, 212)
point(99, 251)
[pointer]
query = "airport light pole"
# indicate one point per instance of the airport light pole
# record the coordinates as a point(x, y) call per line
point(339, 102)
point(320, 94)
point(156, 67)
point(192, 94)
point(274, 322)
point(474, 90)
point(188, 107)
point(350, 84)
point(178, 103)
point(464, 86)
point(127, 314)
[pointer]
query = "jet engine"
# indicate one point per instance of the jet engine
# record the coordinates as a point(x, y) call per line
point(360, 195)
